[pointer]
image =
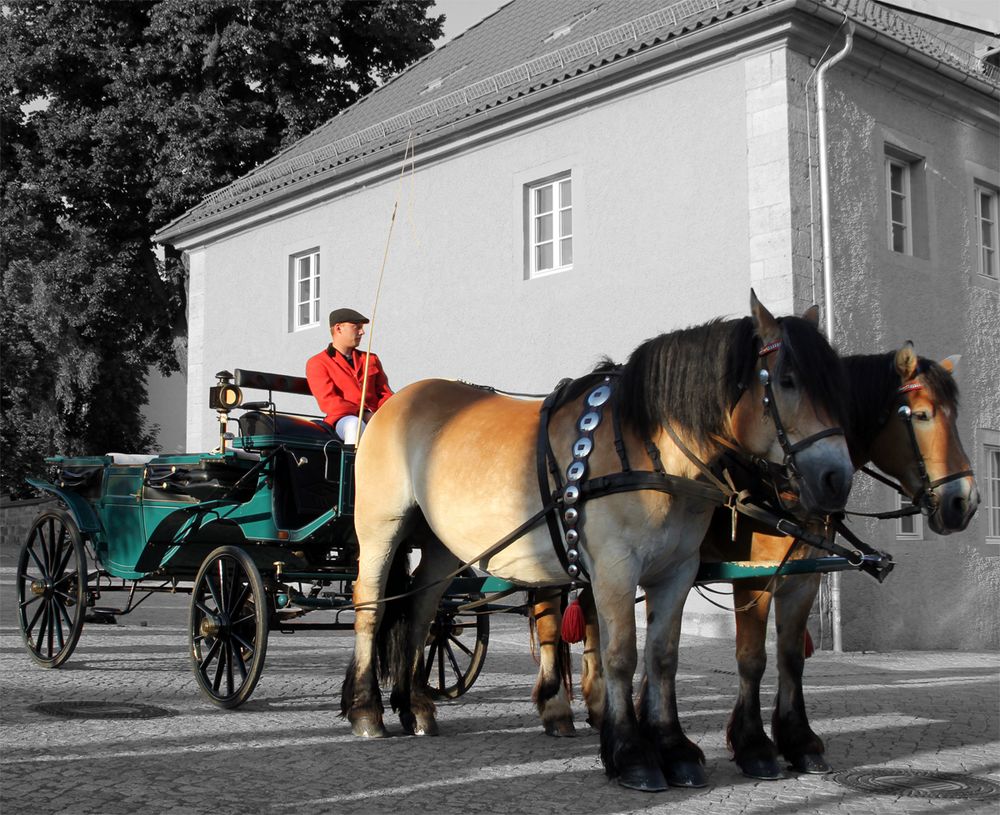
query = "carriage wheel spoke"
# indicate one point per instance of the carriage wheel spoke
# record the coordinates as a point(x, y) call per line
point(460, 644)
point(25, 603)
point(211, 591)
point(212, 651)
point(221, 597)
point(229, 666)
point(220, 665)
point(429, 666)
point(43, 629)
point(64, 613)
point(30, 627)
point(34, 555)
point(58, 612)
point(441, 680)
point(241, 599)
point(245, 645)
point(238, 657)
point(453, 661)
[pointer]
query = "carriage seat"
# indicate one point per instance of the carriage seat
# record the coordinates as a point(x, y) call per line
point(258, 423)
point(132, 459)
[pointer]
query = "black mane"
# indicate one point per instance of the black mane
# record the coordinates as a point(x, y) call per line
point(694, 377)
point(874, 388)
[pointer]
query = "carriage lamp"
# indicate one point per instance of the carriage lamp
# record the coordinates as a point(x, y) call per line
point(225, 395)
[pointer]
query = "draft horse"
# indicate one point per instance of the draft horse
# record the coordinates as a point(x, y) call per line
point(452, 468)
point(902, 417)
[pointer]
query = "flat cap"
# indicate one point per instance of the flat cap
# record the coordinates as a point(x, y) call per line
point(346, 315)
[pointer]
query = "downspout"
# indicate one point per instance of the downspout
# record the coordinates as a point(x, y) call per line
point(824, 206)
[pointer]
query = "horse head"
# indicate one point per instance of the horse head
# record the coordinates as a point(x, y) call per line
point(919, 444)
point(790, 412)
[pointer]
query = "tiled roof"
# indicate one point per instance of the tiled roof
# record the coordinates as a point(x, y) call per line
point(524, 46)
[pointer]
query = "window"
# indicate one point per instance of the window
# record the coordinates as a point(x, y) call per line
point(900, 214)
point(992, 493)
point(304, 300)
point(908, 527)
point(986, 229)
point(906, 198)
point(550, 226)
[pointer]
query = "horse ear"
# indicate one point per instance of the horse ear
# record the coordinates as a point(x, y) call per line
point(764, 324)
point(812, 315)
point(906, 362)
point(950, 364)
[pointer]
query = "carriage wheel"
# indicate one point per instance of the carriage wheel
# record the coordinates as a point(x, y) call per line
point(52, 588)
point(455, 652)
point(229, 615)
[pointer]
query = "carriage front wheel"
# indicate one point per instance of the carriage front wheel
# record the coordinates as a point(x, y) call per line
point(52, 588)
point(229, 617)
point(455, 651)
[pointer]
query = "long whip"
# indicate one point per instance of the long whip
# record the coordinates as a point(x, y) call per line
point(378, 289)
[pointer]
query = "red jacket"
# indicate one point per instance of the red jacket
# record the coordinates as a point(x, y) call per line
point(337, 386)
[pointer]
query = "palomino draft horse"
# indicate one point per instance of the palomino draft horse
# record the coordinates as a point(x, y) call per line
point(890, 394)
point(452, 469)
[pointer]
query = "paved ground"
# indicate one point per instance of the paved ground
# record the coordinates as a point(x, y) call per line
point(288, 750)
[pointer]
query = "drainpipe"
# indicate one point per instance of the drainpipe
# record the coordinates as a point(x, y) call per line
point(824, 199)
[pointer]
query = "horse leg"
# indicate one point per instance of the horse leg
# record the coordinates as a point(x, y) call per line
point(360, 696)
point(592, 673)
point(681, 759)
point(790, 725)
point(753, 751)
point(410, 697)
point(624, 753)
point(549, 694)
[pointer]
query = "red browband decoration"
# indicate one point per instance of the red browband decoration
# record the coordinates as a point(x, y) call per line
point(912, 386)
point(771, 346)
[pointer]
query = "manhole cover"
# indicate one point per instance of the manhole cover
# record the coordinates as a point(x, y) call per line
point(101, 710)
point(917, 783)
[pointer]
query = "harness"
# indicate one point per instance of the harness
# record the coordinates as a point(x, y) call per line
point(565, 498)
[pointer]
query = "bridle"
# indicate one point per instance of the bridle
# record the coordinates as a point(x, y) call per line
point(771, 410)
point(925, 498)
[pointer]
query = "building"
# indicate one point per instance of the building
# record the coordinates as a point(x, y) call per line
point(582, 176)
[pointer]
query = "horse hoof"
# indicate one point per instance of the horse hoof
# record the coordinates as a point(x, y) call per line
point(561, 728)
point(419, 725)
point(811, 764)
point(368, 727)
point(644, 779)
point(688, 774)
point(763, 769)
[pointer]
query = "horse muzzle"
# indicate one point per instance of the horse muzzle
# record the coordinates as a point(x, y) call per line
point(951, 505)
point(822, 476)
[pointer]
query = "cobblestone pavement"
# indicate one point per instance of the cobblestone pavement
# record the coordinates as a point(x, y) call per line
point(288, 750)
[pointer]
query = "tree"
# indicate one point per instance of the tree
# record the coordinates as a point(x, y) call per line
point(141, 109)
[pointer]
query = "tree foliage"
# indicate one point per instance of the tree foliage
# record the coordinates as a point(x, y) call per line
point(137, 111)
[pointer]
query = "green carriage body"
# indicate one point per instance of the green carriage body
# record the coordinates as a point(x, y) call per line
point(144, 524)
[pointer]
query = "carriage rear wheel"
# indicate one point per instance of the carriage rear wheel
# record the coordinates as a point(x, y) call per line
point(52, 588)
point(455, 651)
point(229, 623)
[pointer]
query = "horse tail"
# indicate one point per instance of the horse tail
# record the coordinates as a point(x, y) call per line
point(391, 637)
point(532, 626)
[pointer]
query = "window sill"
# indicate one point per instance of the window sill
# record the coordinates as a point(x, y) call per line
point(550, 272)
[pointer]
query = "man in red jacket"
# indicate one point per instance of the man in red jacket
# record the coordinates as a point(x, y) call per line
point(335, 376)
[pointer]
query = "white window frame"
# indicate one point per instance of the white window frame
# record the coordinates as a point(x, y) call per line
point(558, 238)
point(905, 193)
point(991, 492)
point(989, 260)
point(312, 298)
point(916, 533)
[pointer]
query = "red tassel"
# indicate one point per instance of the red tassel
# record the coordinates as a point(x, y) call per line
point(574, 627)
point(808, 647)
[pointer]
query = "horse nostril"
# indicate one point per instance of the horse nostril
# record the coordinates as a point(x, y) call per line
point(834, 482)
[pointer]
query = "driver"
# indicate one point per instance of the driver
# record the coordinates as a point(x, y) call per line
point(335, 376)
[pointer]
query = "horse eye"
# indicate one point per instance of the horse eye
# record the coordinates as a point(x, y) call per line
point(922, 416)
point(787, 381)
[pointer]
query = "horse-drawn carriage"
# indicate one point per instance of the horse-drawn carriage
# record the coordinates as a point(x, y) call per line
point(262, 530)
point(259, 532)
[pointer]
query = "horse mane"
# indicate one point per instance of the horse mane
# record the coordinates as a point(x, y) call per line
point(874, 388)
point(694, 377)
